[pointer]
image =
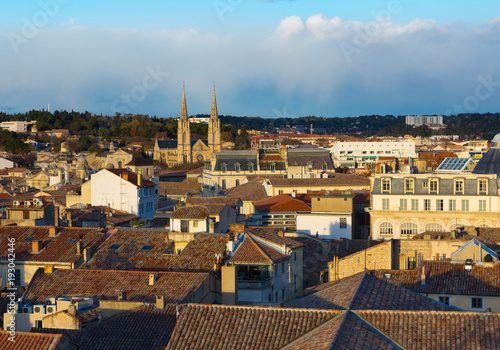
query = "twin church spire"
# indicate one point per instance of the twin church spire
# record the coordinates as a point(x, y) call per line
point(184, 151)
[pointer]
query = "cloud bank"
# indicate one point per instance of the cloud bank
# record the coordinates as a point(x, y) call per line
point(313, 66)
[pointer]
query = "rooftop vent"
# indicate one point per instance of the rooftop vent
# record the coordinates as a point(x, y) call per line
point(468, 264)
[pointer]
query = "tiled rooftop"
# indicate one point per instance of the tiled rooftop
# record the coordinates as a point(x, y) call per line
point(190, 212)
point(198, 255)
point(444, 277)
point(281, 203)
point(140, 329)
point(271, 235)
point(208, 201)
point(132, 177)
point(29, 341)
point(252, 251)
point(251, 191)
point(365, 292)
point(61, 248)
point(438, 330)
point(104, 285)
point(237, 327)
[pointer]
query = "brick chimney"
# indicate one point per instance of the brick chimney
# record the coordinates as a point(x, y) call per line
point(56, 216)
point(152, 279)
point(160, 301)
point(36, 246)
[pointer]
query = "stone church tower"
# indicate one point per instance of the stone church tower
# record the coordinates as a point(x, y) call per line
point(214, 128)
point(183, 134)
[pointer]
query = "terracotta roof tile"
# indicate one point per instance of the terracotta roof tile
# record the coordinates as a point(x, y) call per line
point(444, 277)
point(269, 234)
point(132, 177)
point(250, 191)
point(61, 248)
point(190, 212)
point(25, 340)
point(252, 251)
point(438, 330)
point(337, 179)
point(236, 327)
point(281, 203)
point(365, 292)
point(102, 285)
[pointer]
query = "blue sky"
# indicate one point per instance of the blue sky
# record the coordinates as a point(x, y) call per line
point(267, 58)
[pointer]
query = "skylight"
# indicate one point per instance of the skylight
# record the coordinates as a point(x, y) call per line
point(114, 246)
point(28, 239)
point(72, 240)
point(147, 248)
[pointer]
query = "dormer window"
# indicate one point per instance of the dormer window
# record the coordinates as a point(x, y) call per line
point(409, 185)
point(325, 166)
point(433, 186)
point(386, 185)
point(459, 186)
point(250, 167)
point(482, 186)
point(273, 166)
point(237, 167)
point(223, 167)
point(309, 166)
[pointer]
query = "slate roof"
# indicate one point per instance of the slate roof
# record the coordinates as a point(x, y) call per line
point(165, 144)
point(139, 329)
point(140, 161)
point(438, 330)
point(198, 255)
point(252, 251)
point(489, 162)
point(250, 191)
point(230, 158)
point(25, 340)
point(281, 203)
point(103, 285)
point(238, 327)
point(190, 212)
point(444, 277)
point(317, 157)
point(365, 292)
point(207, 201)
point(337, 179)
point(55, 249)
point(132, 177)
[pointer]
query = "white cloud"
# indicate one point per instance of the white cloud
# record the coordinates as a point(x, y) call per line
point(290, 26)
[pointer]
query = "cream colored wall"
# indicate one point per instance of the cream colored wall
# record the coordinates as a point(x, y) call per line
point(111, 308)
point(61, 320)
point(296, 267)
point(303, 189)
point(28, 270)
point(464, 301)
point(229, 285)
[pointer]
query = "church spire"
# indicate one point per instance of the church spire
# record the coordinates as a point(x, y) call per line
point(213, 113)
point(184, 113)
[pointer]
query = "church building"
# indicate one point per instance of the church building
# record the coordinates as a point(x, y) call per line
point(184, 150)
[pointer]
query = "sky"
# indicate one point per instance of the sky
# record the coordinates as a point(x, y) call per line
point(267, 58)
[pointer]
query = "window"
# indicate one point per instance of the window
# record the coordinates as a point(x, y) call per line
point(17, 277)
point(147, 248)
point(276, 270)
point(38, 324)
point(280, 192)
point(459, 186)
point(343, 222)
point(295, 283)
point(283, 268)
point(409, 228)
point(482, 205)
point(411, 263)
point(433, 185)
point(250, 167)
point(223, 184)
point(223, 167)
point(295, 257)
point(482, 186)
point(414, 204)
point(283, 294)
point(237, 182)
point(452, 205)
point(385, 204)
point(195, 223)
point(434, 227)
point(425, 185)
point(403, 204)
point(114, 246)
point(427, 204)
point(409, 185)
point(270, 296)
point(476, 303)
point(237, 167)
point(325, 166)
point(26, 215)
point(439, 205)
point(465, 205)
point(444, 300)
point(386, 228)
point(273, 166)
point(386, 185)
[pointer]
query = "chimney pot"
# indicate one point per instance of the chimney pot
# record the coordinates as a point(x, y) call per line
point(152, 279)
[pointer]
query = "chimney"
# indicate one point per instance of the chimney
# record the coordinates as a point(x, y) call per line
point(72, 309)
point(139, 180)
point(152, 279)
point(125, 175)
point(122, 295)
point(87, 255)
point(36, 246)
point(68, 219)
point(79, 246)
point(56, 216)
point(52, 232)
point(160, 301)
point(423, 282)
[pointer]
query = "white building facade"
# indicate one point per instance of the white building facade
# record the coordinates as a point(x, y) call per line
point(124, 190)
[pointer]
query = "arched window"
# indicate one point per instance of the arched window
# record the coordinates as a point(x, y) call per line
point(386, 228)
point(409, 228)
point(434, 227)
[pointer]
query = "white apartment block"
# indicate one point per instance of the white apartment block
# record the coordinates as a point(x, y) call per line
point(357, 154)
point(418, 120)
